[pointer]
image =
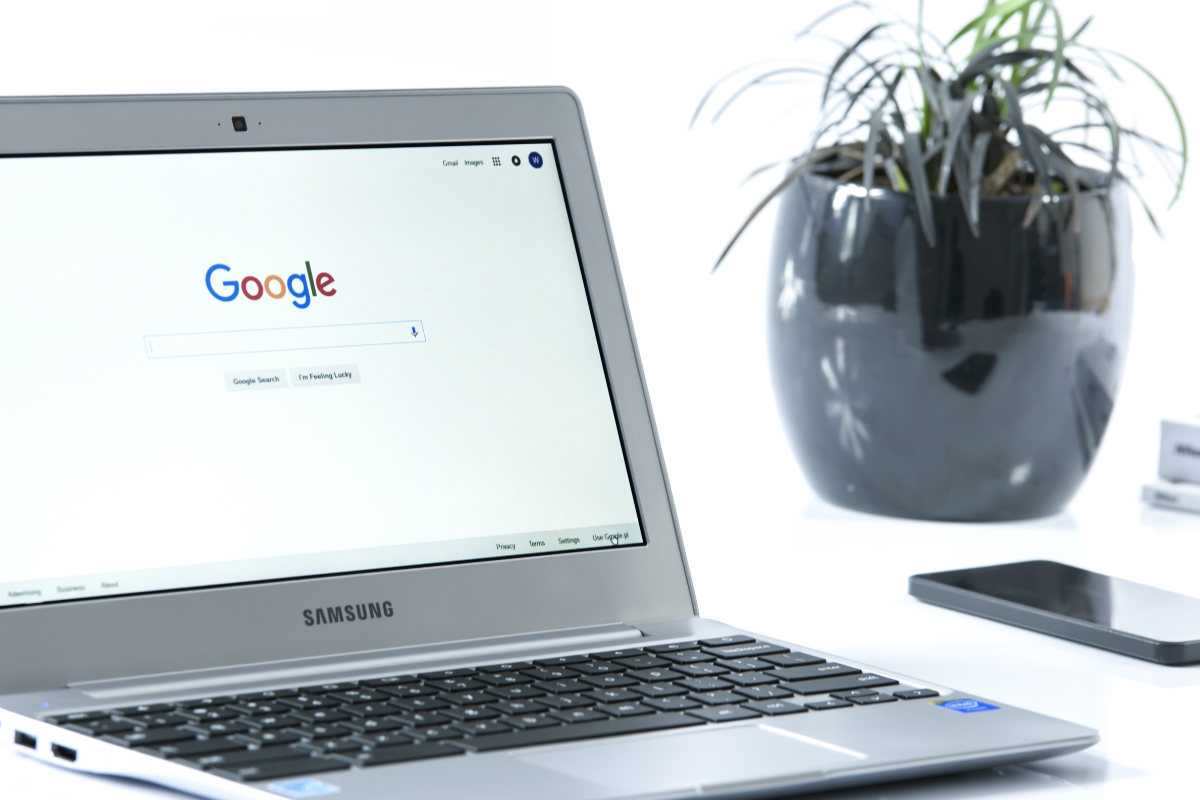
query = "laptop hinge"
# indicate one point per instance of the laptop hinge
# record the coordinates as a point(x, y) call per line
point(362, 665)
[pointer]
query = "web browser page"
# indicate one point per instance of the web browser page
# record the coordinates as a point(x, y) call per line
point(223, 367)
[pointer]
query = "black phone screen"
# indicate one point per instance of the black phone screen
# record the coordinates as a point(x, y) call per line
point(1068, 591)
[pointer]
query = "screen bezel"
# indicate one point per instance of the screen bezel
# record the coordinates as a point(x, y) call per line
point(54, 644)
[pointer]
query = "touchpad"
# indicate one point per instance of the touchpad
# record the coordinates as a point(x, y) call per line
point(706, 758)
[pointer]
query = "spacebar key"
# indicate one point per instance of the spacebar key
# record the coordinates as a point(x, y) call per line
point(580, 730)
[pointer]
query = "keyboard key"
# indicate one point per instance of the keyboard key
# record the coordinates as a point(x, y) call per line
point(457, 685)
point(192, 748)
point(269, 722)
point(439, 733)
point(99, 727)
point(793, 659)
point(840, 683)
point(421, 703)
point(271, 694)
point(749, 650)
point(643, 662)
point(268, 738)
point(582, 730)
point(750, 678)
point(150, 708)
point(913, 694)
point(372, 724)
point(327, 746)
point(530, 721)
point(551, 673)
point(513, 692)
point(389, 739)
point(315, 715)
point(658, 690)
point(613, 695)
point(468, 713)
point(565, 701)
point(763, 692)
point(560, 661)
point(598, 668)
point(484, 727)
point(703, 684)
point(394, 755)
point(774, 708)
point(823, 705)
point(370, 709)
point(700, 670)
point(562, 687)
point(139, 738)
point(79, 716)
point(612, 655)
point(814, 671)
point(851, 693)
point(578, 715)
point(689, 657)
point(674, 647)
point(505, 679)
point(301, 702)
point(745, 664)
point(670, 703)
point(721, 697)
point(655, 675)
point(519, 707)
point(242, 757)
point(353, 697)
point(625, 709)
point(208, 702)
point(409, 690)
point(608, 681)
point(324, 731)
point(724, 713)
point(259, 708)
point(872, 700)
point(424, 719)
point(280, 769)
point(472, 698)
point(721, 641)
point(223, 728)
point(325, 688)
point(462, 672)
point(511, 666)
point(394, 680)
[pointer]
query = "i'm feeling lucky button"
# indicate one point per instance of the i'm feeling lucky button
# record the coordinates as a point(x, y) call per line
point(325, 376)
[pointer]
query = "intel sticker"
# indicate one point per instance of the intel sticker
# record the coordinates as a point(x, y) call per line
point(965, 705)
point(303, 787)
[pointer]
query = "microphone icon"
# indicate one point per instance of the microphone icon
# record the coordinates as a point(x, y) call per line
point(414, 330)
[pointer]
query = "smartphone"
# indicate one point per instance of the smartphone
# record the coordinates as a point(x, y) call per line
point(1071, 603)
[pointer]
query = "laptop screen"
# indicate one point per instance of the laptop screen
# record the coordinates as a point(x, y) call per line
point(241, 366)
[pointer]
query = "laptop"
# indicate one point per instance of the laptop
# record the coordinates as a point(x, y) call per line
point(328, 468)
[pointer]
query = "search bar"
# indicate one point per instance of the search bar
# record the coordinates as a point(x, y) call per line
point(274, 340)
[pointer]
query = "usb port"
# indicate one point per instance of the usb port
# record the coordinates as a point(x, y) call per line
point(25, 740)
point(65, 753)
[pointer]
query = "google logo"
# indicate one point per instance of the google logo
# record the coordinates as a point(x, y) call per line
point(273, 286)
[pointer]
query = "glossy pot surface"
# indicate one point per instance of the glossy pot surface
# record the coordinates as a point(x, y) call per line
point(970, 381)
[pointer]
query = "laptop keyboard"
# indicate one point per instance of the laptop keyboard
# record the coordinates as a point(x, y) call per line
point(313, 729)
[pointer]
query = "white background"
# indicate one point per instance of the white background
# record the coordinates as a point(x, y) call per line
point(764, 553)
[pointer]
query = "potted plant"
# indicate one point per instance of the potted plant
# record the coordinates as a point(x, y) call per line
point(949, 296)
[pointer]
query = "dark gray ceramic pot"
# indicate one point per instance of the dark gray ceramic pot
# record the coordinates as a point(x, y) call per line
point(971, 381)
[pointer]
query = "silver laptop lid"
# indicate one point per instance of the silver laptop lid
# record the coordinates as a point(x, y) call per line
point(302, 375)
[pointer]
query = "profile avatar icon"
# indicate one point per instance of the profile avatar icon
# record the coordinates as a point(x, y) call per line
point(535, 160)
